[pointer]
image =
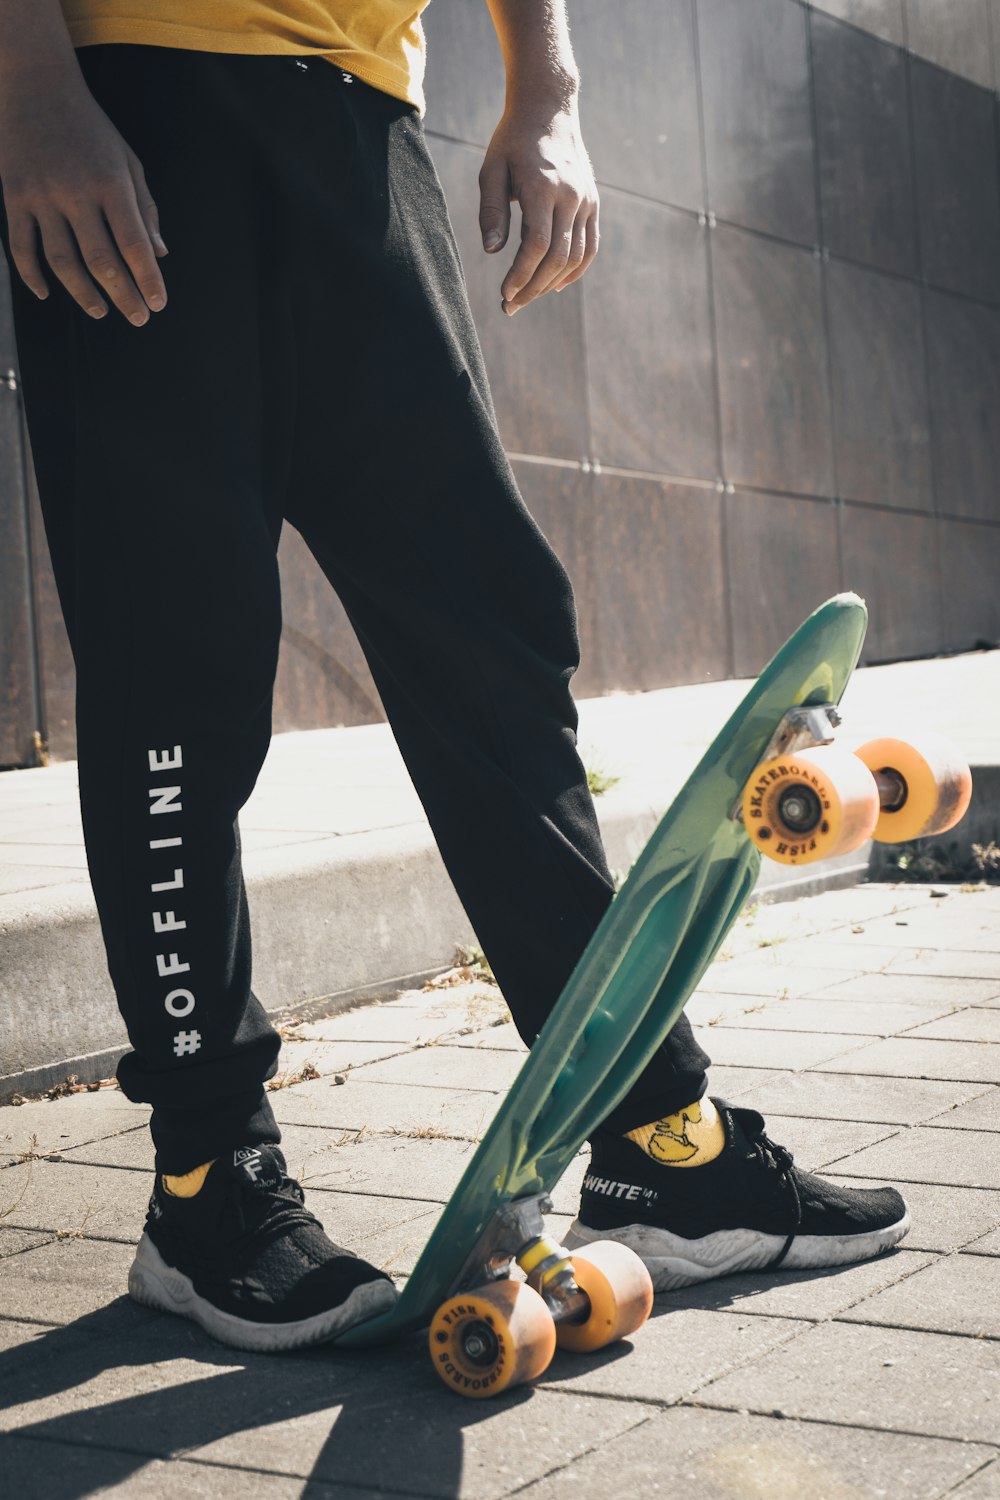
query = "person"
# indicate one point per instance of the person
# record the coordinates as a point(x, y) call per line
point(306, 353)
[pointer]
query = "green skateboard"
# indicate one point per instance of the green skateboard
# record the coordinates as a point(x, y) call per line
point(488, 1331)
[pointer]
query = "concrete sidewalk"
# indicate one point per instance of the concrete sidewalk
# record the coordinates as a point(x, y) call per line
point(865, 1023)
point(346, 888)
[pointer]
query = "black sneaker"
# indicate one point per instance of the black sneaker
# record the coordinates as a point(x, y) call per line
point(248, 1262)
point(751, 1209)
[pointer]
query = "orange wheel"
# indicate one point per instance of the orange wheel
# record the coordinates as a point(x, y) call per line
point(620, 1292)
point(491, 1339)
point(925, 786)
point(809, 806)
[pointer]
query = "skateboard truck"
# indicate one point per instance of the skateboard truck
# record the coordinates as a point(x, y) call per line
point(807, 799)
point(801, 728)
point(516, 1233)
point(494, 1332)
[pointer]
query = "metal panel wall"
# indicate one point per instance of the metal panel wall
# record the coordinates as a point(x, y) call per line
point(790, 342)
point(781, 376)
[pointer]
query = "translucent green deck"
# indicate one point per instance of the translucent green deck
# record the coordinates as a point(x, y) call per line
point(650, 951)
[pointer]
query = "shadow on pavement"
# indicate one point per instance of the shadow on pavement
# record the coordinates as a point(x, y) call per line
point(160, 1389)
point(134, 1386)
point(736, 1290)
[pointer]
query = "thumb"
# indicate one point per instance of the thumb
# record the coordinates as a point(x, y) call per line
point(494, 203)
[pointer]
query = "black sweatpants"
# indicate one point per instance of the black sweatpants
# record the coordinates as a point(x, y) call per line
point(316, 362)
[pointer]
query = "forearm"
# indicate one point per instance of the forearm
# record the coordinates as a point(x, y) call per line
point(34, 41)
point(534, 40)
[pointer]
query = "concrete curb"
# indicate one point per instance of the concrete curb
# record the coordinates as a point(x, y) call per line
point(337, 922)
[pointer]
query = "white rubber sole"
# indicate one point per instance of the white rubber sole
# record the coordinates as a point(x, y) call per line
point(673, 1261)
point(155, 1284)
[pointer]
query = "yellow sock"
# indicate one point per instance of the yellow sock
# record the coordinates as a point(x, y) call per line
point(691, 1137)
point(188, 1185)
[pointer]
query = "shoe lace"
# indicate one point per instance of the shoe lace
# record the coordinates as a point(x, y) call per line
point(774, 1158)
point(265, 1216)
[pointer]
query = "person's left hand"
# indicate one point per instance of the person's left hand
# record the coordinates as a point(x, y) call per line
point(538, 159)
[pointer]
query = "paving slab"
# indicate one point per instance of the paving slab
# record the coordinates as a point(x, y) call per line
point(945, 963)
point(132, 1149)
point(390, 1022)
point(343, 1161)
point(325, 1057)
point(158, 1385)
point(680, 1350)
point(908, 1057)
point(41, 1126)
point(16, 1241)
point(988, 1245)
point(864, 907)
point(739, 1045)
point(943, 1217)
point(839, 1096)
point(30, 1347)
point(926, 928)
point(374, 1224)
point(39, 1470)
point(922, 1154)
point(985, 1485)
point(890, 1378)
point(483, 1450)
point(754, 974)
point(443, 1066)
point(977, 1024)
point(812, 1296)
point(733, 1083)
point(357, 1105)
point(395, 1251)
point(820, 1143)
point(57, 853)
point(34, 1353)
point(386, 1165)
point(69, 1198)
point(726, 1456)
point(65, 1279)
point(957, 1294)
point(934, 989)
point(708, 1009)
point(846, 1017)
point(980, 1113)
point(17, 878)
point(501, 1037)
point(843, 954)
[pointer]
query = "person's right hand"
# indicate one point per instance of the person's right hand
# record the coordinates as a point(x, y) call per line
point(76, 192)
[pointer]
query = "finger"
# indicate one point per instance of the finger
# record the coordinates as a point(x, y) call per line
point(590, 242)
point(23, 235)
point(494, 203)
point(536, 237)
point(553, 264)
point(105, 264)
point(577, 250)
point(135, 247)
point(147, 208)
point(62, 253)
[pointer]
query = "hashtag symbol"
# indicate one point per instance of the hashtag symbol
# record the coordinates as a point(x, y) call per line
point(186, 1042)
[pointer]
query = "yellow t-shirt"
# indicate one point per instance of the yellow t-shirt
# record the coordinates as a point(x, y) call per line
point(381, 41)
